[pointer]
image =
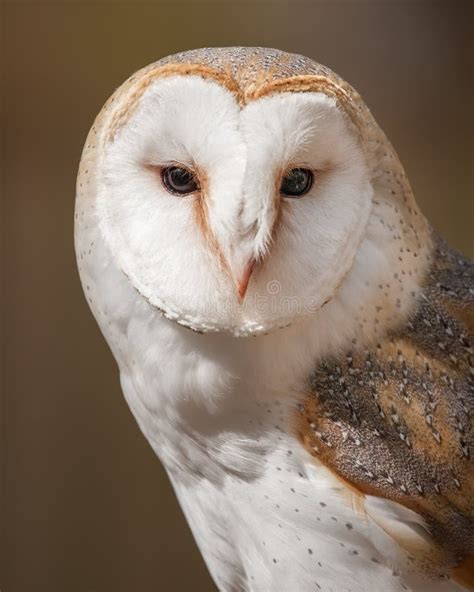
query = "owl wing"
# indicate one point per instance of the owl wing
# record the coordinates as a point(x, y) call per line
point(393, 422)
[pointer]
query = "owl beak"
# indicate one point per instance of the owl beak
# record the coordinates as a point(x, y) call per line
point(243, 283)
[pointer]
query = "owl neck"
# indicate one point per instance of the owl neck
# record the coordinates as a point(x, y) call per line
point(188, 390)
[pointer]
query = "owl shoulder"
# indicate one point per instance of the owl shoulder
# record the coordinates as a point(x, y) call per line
point(393, 421)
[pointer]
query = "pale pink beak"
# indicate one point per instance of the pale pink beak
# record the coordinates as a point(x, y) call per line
point(243, 283)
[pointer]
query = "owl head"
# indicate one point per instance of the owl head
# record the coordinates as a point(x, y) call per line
point(233, 188)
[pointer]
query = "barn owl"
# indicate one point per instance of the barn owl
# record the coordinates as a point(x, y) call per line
point(292, 335)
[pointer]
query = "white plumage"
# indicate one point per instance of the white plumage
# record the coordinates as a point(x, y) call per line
point(215, 380)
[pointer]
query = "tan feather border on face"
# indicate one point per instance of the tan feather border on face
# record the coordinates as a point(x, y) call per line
point(123, 114)
point(244, 94)
point(251, 78)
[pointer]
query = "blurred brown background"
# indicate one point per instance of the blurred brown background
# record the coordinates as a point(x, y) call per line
point(86, 507)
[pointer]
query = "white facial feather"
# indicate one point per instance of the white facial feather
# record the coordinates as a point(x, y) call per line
point(242, 153)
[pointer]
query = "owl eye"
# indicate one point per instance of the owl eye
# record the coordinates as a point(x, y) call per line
point(179, 180)
point(297, 182)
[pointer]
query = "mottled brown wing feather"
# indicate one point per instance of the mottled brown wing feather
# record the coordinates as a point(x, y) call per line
point(394, 420)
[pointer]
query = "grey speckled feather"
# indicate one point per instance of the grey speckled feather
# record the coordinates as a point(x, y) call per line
point(395, 420)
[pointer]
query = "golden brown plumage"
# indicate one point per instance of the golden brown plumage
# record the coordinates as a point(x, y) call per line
point(394, 420)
